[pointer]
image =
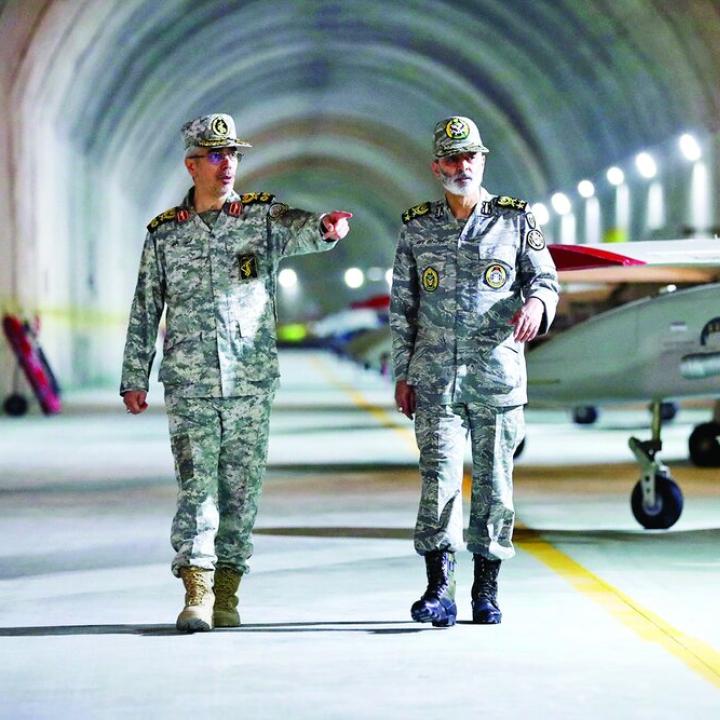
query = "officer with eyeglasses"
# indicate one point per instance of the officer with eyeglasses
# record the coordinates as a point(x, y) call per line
point(212, 263)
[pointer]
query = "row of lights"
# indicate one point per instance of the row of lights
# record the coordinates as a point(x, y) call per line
point(353, 277)
point(644, 163)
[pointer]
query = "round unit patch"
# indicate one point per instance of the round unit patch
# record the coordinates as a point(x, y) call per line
point(531, 221)
point(430, 279)
point(495, 276)
point(220, 127)
point(535, 240)
point(277, 210)
point(457, 129)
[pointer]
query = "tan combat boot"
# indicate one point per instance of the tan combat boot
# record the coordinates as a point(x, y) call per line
point(197, 616)
point(227, 581)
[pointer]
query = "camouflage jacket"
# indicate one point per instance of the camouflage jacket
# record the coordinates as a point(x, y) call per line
point(456, 286)
point(218, 284)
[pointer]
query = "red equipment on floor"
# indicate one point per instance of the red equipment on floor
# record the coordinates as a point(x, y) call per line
point(31, 359)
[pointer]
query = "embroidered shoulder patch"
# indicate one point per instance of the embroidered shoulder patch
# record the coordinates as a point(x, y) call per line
point(256, 197)
point(535, 240)
point(277, 210)
point(164, 217)
point(430, 279)
point(504, 201)
point(415, 212)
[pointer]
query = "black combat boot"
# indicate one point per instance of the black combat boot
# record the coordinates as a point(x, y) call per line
point(437, 605)
point(484, 591)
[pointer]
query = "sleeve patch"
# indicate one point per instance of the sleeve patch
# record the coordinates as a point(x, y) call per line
point(504, 201)
point(535, 240)
point(277, 210)
point(416, 212)
point(256, 197)
point(162, 218)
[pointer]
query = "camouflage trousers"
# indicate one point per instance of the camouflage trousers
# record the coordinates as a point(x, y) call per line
point(220, 450)
point(441, 432)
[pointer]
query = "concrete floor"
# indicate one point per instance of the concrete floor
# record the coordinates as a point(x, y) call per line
point(601, 618)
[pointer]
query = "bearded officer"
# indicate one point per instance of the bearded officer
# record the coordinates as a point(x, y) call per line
point(472, 282)
point(212, 262)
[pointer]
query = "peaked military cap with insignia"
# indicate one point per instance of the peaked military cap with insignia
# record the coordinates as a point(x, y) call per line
point(455, 135)
point(211, 131)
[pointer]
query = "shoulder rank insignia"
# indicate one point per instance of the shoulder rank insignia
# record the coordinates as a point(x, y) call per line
point(416, 212)
point(180, 214)
point(256, 197)
point(511, 203)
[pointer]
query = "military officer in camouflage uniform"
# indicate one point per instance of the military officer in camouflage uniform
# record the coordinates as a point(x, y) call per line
point(472, 282)
point(212, 262)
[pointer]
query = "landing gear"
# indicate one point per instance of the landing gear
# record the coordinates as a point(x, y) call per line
point(704, 445)
point(656, 500)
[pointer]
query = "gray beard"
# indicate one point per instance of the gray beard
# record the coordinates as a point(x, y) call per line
point(456, 188)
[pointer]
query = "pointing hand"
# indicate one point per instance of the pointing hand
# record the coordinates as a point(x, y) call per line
point(336, 224)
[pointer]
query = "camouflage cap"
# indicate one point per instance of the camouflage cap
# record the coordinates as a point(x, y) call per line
point(211, 131)
point(456, 135)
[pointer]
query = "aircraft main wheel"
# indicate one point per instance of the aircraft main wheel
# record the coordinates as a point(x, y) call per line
point(519, 449)
point(668, 504)
point(585, 415)
point(704, 445)
point(15, 405)
point(668, 411)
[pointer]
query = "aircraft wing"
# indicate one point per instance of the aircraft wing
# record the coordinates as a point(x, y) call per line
point(691, 261)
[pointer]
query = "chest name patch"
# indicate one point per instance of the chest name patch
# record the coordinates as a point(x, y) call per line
point(430, 279)
point(495, 276)
point(248, 266)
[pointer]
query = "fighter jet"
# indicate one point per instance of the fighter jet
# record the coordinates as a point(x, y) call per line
point(659, 348)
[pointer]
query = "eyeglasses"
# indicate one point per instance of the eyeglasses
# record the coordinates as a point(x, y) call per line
point(215, 157)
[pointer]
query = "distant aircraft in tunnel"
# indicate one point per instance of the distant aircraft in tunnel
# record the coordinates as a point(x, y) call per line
point(653, 349)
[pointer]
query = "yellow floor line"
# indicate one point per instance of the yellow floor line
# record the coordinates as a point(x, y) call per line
point(697, 655)
point(380, 414)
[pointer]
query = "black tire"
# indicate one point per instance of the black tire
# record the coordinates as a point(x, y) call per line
point(585, 415)
point(668, 411)
point(15, 405)
point(668, 504)
point(704, 445)
point(519, 449)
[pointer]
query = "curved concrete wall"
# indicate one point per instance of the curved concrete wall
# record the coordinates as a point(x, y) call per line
point(338, 98)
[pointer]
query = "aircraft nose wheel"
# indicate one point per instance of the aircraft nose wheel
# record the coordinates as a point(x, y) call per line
point(666, 509)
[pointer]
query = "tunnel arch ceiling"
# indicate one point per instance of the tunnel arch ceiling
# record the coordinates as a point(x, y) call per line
point(339, 98)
